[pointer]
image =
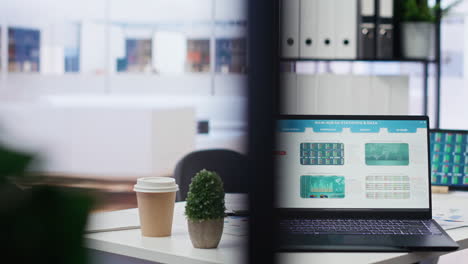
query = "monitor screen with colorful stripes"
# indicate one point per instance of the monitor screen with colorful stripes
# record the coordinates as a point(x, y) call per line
point(449, 157)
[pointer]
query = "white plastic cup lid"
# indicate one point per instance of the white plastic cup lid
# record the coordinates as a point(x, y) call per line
point(156, 185)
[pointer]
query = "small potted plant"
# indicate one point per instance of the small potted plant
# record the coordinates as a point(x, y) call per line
point(418, 27)
point(205, 209)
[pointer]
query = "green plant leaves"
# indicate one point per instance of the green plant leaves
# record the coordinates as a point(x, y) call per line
point(41, 224)
point(12, 163)
point(205, 199)
point(418, 11)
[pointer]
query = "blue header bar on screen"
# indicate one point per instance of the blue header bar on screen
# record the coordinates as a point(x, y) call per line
point(356, 126)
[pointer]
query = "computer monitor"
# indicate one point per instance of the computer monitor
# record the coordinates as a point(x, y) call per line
point(449, 157)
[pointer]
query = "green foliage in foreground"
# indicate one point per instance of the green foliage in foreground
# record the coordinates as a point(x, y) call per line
point(40, 224)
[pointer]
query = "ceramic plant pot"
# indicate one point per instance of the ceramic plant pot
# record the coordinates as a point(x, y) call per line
point(206, 233)
point(417, 40)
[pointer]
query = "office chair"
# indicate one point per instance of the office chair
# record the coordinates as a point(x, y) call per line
point(230, 165)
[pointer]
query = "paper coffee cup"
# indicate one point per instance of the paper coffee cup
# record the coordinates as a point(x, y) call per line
point(156, 199)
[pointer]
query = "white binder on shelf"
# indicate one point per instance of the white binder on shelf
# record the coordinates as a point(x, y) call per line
point(388, 95)
point(328, 94)
point(308, 29)
point(360, 96)
point(306, 97)
point(346, 29)
point(386, 9)
point(326, 41)
point(290, 28)
point(288, 93)
point(333, 94)
point(380, 95)
point(342, 90)
point(399, 94)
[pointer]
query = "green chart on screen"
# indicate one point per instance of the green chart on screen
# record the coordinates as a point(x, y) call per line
point(387, 154)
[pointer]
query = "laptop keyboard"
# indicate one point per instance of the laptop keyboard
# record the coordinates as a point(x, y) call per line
point(359, 227)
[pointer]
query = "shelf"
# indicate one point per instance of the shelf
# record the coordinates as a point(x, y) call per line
point(358, 60)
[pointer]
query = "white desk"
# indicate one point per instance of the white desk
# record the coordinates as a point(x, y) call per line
point(178, 248)
point(174, 249)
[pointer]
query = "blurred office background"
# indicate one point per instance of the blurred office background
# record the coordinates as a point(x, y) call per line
point(111, 90)
point(102, 89)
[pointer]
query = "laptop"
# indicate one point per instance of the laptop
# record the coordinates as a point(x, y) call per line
point(355, 183)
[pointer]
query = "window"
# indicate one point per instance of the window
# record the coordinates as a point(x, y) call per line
point(72, 48)
point(231, 55)
point(198, 55)
point(23, 50)
point(138, 54)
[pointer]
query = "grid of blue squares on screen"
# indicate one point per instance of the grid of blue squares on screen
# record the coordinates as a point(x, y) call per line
point(449, 158)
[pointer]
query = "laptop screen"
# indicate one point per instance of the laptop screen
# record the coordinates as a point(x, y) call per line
point(352, 163)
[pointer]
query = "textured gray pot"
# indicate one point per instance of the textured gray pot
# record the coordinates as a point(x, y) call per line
point(418, 40)
point(206, 233)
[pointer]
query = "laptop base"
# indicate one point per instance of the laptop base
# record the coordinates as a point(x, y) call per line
point(366, 243)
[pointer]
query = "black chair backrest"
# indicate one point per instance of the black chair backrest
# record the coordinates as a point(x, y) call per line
point(230, 165)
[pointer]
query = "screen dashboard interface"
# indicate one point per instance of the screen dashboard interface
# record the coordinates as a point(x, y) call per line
point(352, 164)
point(449, 158)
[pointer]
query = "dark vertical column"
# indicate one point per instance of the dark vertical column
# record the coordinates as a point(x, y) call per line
point(376, 29)
point(263, 81)
point(438, 66)
point(425, 65)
